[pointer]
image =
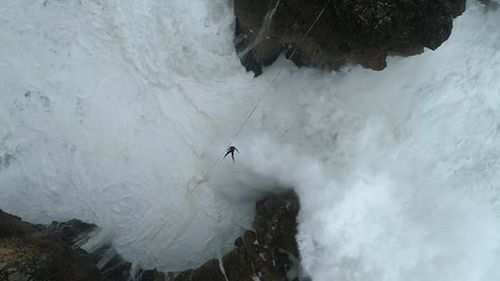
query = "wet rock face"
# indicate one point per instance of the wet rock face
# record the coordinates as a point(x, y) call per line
point(12, 226)
point(361, 32)
point(265, 253)
point(73, 232)
point(275, 222)
point(52, 253)
point(27, 254)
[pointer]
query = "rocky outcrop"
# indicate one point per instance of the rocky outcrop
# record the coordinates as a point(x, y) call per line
point(112, 266)
point(27, 254)
point(340, 32)
point(268, 252)
point(73, 232)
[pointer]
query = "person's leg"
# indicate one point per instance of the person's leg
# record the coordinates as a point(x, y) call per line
point(232, 156)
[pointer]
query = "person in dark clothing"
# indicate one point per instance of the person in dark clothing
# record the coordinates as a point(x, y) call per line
point(230, 150)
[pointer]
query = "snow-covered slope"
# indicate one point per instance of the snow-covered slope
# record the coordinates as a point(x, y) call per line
point(110, 111)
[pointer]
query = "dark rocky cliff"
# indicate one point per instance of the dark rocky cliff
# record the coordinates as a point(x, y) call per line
point(28, 254)
point(347, 32)
point(268, 252)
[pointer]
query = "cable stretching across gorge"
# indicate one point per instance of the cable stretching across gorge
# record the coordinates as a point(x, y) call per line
point(268, 89)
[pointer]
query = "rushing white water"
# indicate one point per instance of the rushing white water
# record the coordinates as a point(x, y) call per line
point(111, 110)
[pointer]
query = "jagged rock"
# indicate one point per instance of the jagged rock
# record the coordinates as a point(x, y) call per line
point(73, 232)
point(276, 222)
point(152, 275)
point(26, 254)
point(208, 271)
point(35, 253)
point(262, 254)
point(361, 32)
point(45, 253)
point(112, 266)
point(12, 226)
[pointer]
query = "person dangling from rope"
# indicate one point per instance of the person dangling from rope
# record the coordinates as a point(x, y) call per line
point(230, 150)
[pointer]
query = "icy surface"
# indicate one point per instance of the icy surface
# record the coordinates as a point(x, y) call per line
point(110, 111)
